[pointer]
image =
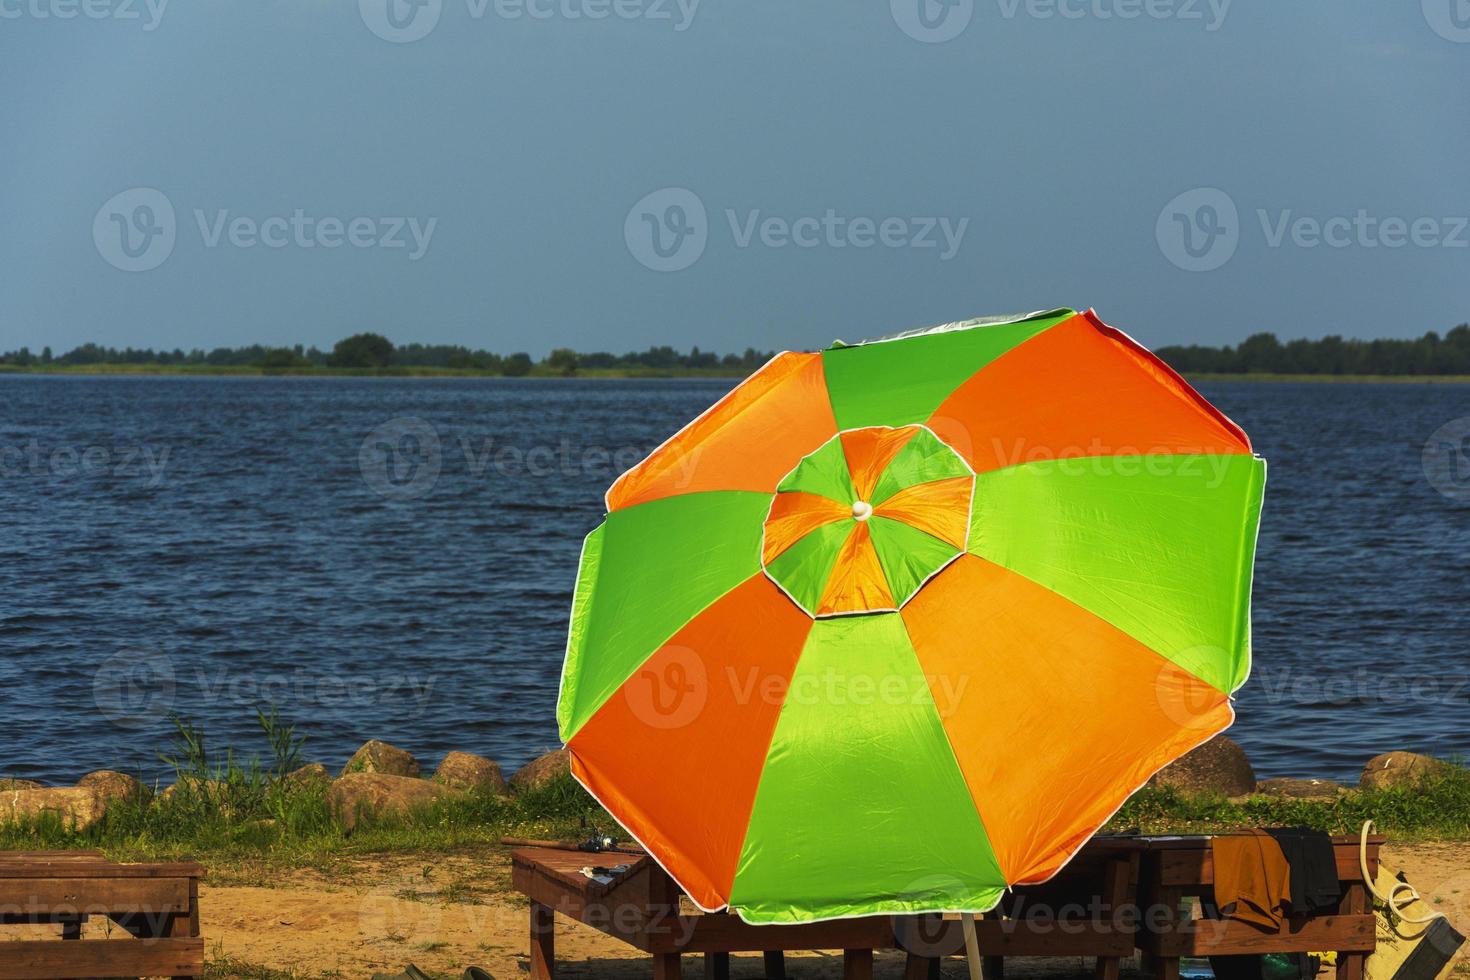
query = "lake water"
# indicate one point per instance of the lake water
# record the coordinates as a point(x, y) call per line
point(207, 545)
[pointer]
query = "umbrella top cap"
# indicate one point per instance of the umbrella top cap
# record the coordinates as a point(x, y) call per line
point(861, 524)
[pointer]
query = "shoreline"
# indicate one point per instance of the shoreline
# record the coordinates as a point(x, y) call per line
point(611, 374)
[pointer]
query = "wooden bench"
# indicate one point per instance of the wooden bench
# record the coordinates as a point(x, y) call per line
point(155, 906)
point(642, 907)
point(1177, 868)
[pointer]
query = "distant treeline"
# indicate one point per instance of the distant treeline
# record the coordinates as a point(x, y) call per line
point(370, 350)
point(1260, 353)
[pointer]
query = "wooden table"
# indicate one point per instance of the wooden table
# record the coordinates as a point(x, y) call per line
point(642, 908)
point(1177, 868)
point(156, 905)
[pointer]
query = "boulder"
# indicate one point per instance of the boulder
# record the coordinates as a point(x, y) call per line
point(472, 772)
point(1217, 767)
point(209, 789)
point(376, 756)
point(1397, 769)
point(314, 774)
point(541, 770)
point(1301, 789)
point(75, 806)
point(111, 785)
point(382, 794)
point(6, 784)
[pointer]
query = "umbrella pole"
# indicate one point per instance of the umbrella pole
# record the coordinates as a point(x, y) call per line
point(972, 945)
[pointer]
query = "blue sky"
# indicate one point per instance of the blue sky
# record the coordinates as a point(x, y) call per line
point(610, 174)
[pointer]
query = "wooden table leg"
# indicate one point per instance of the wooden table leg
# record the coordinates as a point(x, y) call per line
point(1171, 923)
point(916, 967)
point(1354, 902)
point(857, 964)
point(716, 966)
point(1116, 878)
point(775, 964)
point(666, 966)
point(543, 942)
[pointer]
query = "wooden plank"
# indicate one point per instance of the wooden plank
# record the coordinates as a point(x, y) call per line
point(565, 867)
point(43, 856)
point(543, 942)
point(52, 960)
point(729, 934)
point(1196, 865)
point(1033, 937)
point(93, 896)
point(1212, 937)
point(93, 869)
point(627, 921)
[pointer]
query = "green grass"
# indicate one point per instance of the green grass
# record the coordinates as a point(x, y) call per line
point(1437, 808)
point(286, 826)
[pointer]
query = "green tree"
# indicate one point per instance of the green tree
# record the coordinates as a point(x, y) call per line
point(282, 357)
point(362, 350)
point(563, 361)
point(517, 365)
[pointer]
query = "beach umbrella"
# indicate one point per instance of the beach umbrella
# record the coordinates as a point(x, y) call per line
point(899, 624)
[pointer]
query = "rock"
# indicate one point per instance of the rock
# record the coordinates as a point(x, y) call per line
point(541, 770)
point(210, 789)
point(314, 774)
point(1397, 769)
point(1217, 767)
point(1301, 789)
point(6, 784)
point(382, 794)
point(472, 772)
point(77, 807)
point(111, 785)
point(376, 756)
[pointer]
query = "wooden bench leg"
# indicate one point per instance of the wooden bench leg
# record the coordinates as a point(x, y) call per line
point(857, 964)
point(666, 966)
point(994, 967)
point(543, 942)
point(775, 964)
point(186, 926)
point(716, 966)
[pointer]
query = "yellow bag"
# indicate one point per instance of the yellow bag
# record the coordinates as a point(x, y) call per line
point(1410, 950)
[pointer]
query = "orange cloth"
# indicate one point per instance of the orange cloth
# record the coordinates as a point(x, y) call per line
point(1252, 879)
